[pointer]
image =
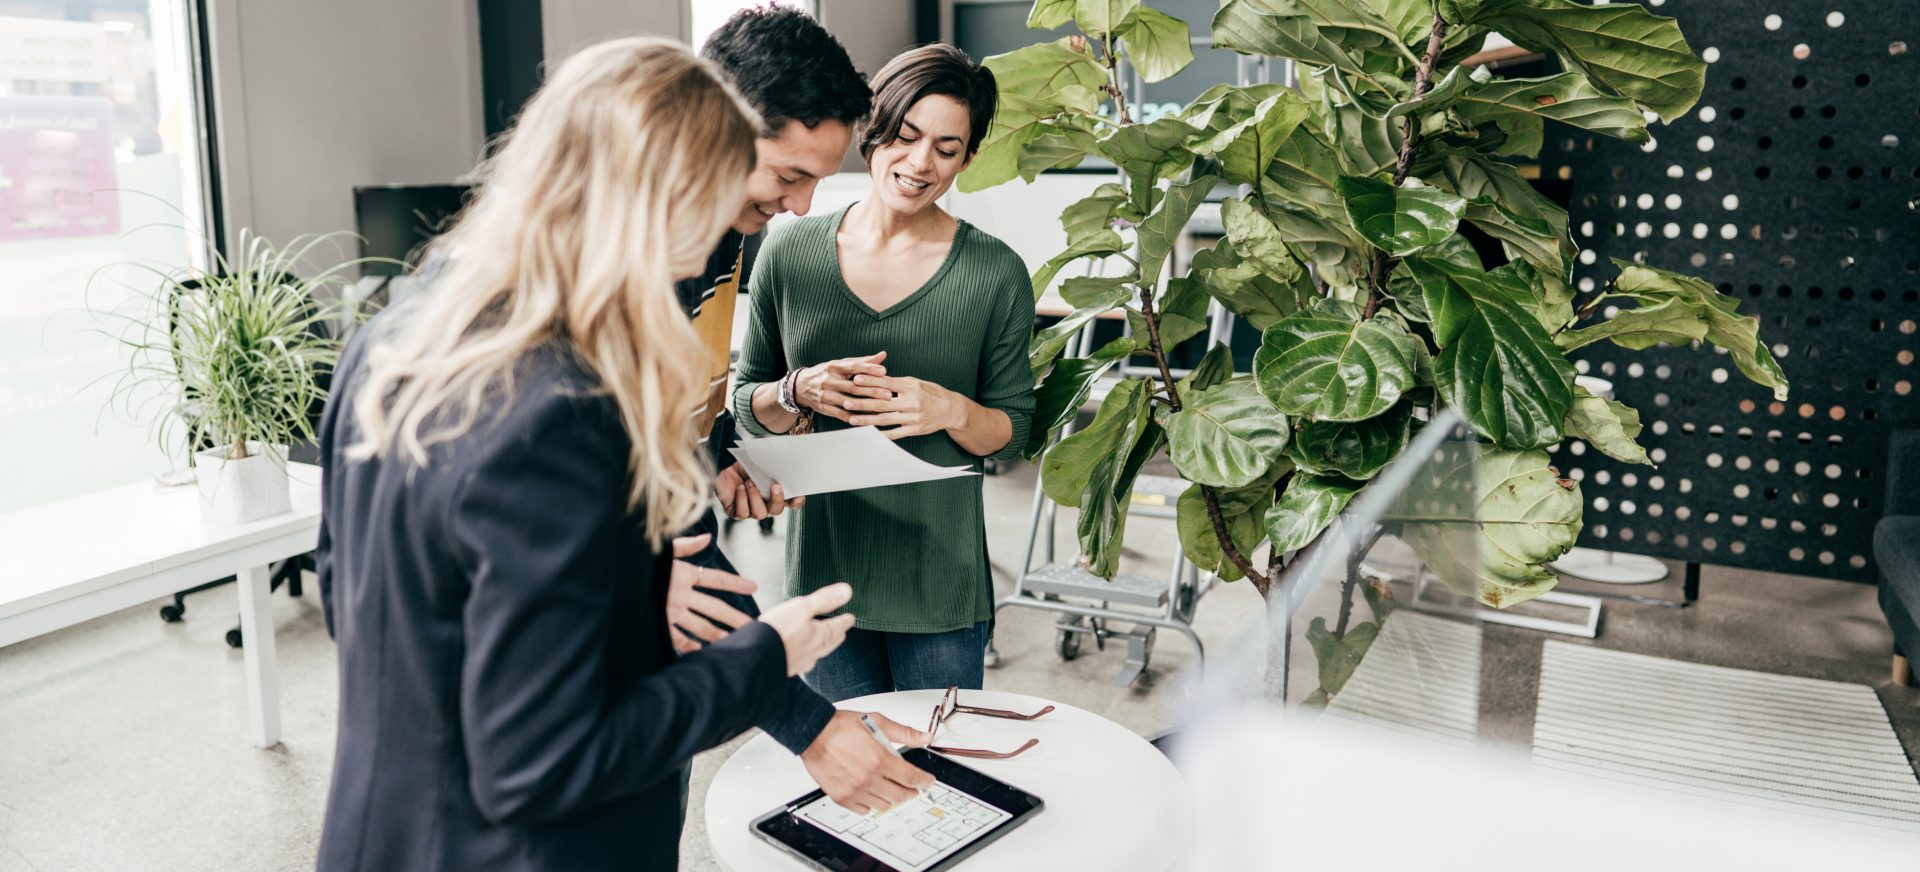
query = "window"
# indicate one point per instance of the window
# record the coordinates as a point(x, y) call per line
point(101, 168)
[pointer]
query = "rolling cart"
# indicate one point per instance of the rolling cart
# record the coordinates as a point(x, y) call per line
point(1091, 606)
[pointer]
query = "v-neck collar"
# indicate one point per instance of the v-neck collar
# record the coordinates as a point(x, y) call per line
point(960, 228)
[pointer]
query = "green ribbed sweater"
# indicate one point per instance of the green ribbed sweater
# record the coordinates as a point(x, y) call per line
point(916, 554)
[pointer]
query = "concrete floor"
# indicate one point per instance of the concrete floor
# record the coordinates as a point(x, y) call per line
point(121, 739)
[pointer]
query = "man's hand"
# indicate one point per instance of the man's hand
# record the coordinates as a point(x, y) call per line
point(826, 387)
point(741, 499)
point(909, 406)
point(693, 616)
point(856, 771)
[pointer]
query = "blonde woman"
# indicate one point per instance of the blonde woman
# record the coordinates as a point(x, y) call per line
point(507, 458)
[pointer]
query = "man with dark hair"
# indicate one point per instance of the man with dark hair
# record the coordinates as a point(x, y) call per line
point(810, 97)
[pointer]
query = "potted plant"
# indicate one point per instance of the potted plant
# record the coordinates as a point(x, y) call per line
point(241, 355)
point(1344, 246)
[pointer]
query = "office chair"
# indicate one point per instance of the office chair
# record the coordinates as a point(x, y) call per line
point(286, 572)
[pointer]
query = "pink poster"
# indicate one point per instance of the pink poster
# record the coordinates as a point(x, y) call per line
point(56, 168)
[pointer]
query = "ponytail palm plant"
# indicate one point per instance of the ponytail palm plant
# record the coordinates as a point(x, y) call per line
point(1344, 246)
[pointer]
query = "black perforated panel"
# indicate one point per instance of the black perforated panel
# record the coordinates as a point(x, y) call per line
point(1791, 186)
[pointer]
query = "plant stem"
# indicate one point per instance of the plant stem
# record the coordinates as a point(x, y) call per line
point(1113, 85)
point(239, 451)
point(1153, 345)
point(1422, 83)
point(1261, 583)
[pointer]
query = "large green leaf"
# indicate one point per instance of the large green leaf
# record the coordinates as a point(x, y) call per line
point(1243, 286)
point(1049, 14)
point(1065, 469)
point(1214, 367)
point(1367, 144)
point(1276, 28)
point(1545, 295)
point(1507, 207)
point(1108, 291)
point(1354, 449)
point(1497, 365)
point(1158, 45)
point(1670, 322)
point(1224, 105)
point(1526, 516)
point(1105, 16)
point(1037, 84)
point(1148, 153)
point(1353, 24)
point(1047, 344)
point(1412, 19)
point(1456, 12)
point(1066, 388)
point(1621, 47)
point(1456, 82)
point(1310, 503)
point(1304, 171)
point(1675, 309)
point(1322, 238)
point(1403, 220)
point(1060, 147)
point(1606, 425)
point(1338, 657)
point(1243, 510)
point(1162, 228)
point(1325, 364)
point(1247, 146)
point(1094, 212)
point(1258, 240)
point(1103, 508)
point(1097, 243)
point(1226, 436)
point(1567, 98)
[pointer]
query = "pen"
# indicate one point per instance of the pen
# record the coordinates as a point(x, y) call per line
point(866, 720)
point(874, 729)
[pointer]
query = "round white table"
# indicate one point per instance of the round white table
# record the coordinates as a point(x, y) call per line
point(1113, 801)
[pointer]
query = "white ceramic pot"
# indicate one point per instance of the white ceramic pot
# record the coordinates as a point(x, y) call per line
point(239, 491)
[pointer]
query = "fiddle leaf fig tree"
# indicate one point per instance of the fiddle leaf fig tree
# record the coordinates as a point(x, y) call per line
point(1344, 246)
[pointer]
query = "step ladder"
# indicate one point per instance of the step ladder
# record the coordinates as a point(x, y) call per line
point(1090, 606)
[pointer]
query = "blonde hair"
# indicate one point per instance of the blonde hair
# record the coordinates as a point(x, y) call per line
point(622, 172)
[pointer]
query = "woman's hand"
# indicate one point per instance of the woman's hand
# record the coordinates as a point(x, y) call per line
point(740, 497)
point(807, 636)
point(826, 387)
point(693, 616)
point(908, 405)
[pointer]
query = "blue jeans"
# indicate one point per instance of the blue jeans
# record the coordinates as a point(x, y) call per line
point(871, 661)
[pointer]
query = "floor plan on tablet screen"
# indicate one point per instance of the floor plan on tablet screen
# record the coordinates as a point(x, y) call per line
point(913, 835)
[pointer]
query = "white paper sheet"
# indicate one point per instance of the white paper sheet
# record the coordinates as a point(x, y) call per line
point(840, 460)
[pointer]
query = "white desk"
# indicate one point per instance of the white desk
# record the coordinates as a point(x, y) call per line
point(1113, 800)
point(78, 559)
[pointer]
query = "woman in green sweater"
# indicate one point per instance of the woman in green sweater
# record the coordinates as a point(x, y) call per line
point(895, 314)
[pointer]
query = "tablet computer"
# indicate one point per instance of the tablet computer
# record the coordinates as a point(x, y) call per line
point(961, 813)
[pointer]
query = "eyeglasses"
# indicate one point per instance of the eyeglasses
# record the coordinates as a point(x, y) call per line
point(950, 705)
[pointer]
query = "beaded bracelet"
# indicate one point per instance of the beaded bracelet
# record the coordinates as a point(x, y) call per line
point(789, 393)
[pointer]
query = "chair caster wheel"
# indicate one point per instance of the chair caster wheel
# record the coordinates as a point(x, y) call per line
point(172, 613)
point(233, 638)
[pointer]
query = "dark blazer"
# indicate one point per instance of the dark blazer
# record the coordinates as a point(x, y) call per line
point(509, 699)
